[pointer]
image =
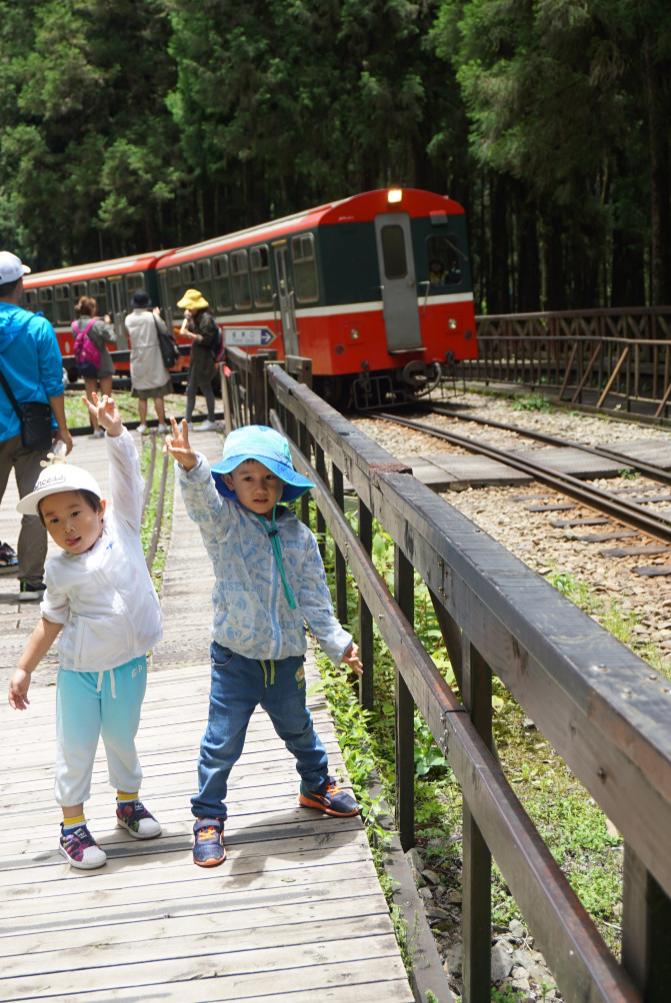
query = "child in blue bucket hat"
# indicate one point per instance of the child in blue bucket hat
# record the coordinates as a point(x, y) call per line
point(270, 581)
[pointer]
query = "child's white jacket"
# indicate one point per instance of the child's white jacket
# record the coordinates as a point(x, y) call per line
point(105, 598)
point(251, 614)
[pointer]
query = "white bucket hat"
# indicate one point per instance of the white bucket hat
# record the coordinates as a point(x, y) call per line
point(57, 477)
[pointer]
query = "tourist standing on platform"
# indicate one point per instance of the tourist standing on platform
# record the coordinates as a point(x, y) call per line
point(270, 580)
point(200, 326)
point(148, 375)
point(32, 365)
point(92, 336)
point(100, 595)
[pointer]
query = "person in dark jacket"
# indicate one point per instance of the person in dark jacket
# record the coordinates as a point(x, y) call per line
point(31, 362)
point(200, 326)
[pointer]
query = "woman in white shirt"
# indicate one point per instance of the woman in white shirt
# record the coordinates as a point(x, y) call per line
point(148, 375)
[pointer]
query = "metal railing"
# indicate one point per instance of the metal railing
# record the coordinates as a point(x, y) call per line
point(610, 359)
point(606, 713)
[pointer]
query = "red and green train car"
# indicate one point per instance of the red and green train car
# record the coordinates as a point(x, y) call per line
point(375, 289)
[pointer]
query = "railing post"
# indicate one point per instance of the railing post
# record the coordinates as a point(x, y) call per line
point(405, 713)
point(646, 930)
point(477, 860)
point(365, 618)
point(340, 569)
point(320, 466)
point(257, 391)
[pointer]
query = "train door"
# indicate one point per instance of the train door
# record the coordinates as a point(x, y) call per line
point(398, 282)
point(287, 304)
point(117, 307)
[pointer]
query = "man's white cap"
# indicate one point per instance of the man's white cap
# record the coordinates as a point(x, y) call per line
point(54, 478)
point(11, 267)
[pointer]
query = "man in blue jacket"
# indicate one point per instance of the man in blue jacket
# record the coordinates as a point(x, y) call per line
point(31, 362)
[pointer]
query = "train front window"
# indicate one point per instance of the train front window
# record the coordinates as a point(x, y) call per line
point(306, 283)
point(443, 259)
point(222, 282)
point(393, 252)
point(175, 281)
point(261, 281)
point(242, 293)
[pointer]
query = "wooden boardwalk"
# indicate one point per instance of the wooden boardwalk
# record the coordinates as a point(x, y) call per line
point(295, 913)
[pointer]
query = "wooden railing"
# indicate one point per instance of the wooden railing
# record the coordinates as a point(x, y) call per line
point(602, 708)
point(610, 359)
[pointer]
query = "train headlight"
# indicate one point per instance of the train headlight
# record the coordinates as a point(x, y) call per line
point(394, 195)
point(354, 334)
point(452, 324)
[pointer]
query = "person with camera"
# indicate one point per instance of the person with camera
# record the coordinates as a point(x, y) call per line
point(31, 377)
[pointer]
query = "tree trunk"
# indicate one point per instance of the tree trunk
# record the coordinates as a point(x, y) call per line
point(498, 291)
point(660, 192)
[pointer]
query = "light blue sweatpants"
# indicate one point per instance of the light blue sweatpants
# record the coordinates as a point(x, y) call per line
point(91, 704)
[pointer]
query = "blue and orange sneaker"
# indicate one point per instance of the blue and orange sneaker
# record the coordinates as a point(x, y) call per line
point(134, 817)
point(330, 799)
point(208, 842)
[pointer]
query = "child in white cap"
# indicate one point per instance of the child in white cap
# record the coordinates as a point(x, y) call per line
point(101, 600)
point(270, 580)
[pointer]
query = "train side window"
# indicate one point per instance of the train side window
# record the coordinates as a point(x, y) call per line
point(98, 289)
point(443, 258)
point(175, 283)
point(393, 252)
point(135, 281)
point(259, 261)
point(222, 282)
point(78, 289)
point(62, 304)
point(163, 289)
point(30, 299)
point(204, 278)
point(242, 294)
point(306, 283)
point(47, 302)
point(188, 275)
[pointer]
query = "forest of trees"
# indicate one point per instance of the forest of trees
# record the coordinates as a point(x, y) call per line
point(131, 125)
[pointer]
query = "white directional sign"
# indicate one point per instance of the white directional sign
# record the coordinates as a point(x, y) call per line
point(246, 336)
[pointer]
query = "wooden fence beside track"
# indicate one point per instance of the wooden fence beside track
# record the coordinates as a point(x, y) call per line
point(605, 711)
point(612, 359)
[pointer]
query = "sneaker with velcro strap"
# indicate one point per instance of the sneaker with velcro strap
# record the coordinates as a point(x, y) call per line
point(135, 819)
point(208, 842)
point(330, 799)
point(80, 848)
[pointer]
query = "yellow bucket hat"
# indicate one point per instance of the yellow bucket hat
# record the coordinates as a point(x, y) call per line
point(193, 300)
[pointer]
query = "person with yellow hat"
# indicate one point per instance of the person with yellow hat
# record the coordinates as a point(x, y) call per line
point(200, 326)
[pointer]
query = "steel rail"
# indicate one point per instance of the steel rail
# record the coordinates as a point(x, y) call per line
point(650, 470)
point(627, 512)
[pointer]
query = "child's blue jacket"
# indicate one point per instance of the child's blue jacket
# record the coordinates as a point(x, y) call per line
point(251, 614)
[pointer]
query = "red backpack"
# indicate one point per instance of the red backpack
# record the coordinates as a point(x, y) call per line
point(84, 351)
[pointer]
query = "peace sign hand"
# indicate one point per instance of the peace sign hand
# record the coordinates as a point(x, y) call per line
point(178, 445)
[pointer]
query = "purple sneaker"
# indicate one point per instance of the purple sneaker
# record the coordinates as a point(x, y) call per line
point(134, 817)
point(80, 848)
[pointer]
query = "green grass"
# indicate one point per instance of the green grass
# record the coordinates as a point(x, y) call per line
point(77, 414)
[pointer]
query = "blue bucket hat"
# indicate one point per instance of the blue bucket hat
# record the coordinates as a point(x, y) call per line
point(264, 444)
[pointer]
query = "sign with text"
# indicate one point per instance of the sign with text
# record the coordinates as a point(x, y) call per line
point(244, 337)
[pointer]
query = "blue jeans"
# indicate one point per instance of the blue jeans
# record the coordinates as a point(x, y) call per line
point(238, 685)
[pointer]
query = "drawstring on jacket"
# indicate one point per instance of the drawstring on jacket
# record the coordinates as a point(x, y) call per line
point(274, 537)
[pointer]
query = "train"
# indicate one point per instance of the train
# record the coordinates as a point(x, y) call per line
point(374, 288)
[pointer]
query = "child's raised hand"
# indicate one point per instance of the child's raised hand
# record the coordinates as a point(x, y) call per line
point(351, 658)
point(106, 411)
point(18, 689)
point(178, 445)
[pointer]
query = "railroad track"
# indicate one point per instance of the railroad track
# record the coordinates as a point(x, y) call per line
point(624, 511)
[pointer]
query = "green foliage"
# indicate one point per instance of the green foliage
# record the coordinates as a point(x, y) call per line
point(533, 403)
